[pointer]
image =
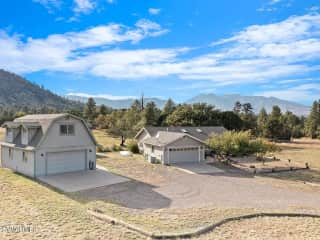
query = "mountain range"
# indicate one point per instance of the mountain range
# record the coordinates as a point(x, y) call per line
point(224, 102)
point(19, 92)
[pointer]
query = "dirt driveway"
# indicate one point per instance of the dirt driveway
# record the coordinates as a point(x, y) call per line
point(159, 187)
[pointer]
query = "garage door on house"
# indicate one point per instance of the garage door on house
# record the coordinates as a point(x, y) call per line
point(62, 162)
point(181, 155)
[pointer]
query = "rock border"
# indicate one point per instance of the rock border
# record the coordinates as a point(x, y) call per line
point(202, 230)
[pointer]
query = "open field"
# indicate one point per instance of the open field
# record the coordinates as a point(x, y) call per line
point(301, 151)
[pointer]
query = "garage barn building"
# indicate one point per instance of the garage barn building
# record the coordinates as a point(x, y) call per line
point(172, 145)
point(47, 144)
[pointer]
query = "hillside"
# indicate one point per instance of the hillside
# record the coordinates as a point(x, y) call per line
point(226, 102)
point(17, 91)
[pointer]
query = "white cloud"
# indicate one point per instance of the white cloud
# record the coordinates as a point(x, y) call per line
point(50, 5)
point(304, 92)
point(83, 6)
point(154, 11)
point(272, 2)
point(69, 51)
point(259, 53)
point(105, 96)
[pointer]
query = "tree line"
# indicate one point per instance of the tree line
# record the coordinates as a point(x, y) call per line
point(275, 125)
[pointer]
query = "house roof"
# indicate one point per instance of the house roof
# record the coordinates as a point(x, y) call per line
point(164, 138)
point(43, 122)
point(201, 133)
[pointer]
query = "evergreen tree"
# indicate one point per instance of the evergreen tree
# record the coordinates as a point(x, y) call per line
point(312, 128)
point(90, 110)
point(262, 122)
point(103, 110)
point(151, 114)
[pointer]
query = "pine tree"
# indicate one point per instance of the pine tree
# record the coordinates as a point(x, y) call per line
point(312, 128)
point(262, 122)
point(151, 114)
point(90, 110)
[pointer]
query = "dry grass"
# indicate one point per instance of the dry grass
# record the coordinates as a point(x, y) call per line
point(266, 228)
point(104, 139)
point(301, 151)
point(170, 220)
point(53, 215)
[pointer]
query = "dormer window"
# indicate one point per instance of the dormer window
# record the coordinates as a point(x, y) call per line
point(24, 136)
point(9, 134)
point(67, 130)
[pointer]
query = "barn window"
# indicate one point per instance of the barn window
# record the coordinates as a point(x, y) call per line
point(10, 153)
point(66, 129)
point(24, 157)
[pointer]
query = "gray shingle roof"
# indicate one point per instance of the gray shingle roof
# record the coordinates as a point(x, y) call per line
point(40, 121)
point(201, 133)
point(163, 138)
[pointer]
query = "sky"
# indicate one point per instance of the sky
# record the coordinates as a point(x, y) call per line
point(165, 48)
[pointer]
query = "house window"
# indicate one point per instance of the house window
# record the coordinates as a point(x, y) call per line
point(67, 130)
point(24, 157)
point(152, 149)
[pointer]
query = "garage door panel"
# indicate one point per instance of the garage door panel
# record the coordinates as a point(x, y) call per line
point(184, 155)
point(66, 162)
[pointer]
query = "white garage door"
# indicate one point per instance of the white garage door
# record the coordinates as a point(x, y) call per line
point(181, 155)
point(62, 162)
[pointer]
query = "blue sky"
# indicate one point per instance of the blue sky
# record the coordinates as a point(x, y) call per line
point(177, 49)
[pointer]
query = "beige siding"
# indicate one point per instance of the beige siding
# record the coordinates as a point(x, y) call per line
point(16, 162)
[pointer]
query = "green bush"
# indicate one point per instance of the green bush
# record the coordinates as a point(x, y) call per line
point(133, 147)
point(116, 148)
point(241, 143)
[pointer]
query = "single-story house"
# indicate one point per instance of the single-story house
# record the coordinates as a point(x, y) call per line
point(169, 145)
point(46, 144)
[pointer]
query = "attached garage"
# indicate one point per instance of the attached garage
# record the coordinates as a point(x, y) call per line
point(182, 155)
point(174, 148)
point(69, 161)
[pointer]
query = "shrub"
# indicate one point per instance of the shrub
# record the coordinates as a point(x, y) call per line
point(239, 144)
point(101, 148)
point(133, 147)
point(116, 148)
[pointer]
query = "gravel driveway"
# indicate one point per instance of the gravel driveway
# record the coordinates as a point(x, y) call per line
point(183, 190)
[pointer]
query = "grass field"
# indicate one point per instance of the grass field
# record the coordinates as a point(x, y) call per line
point(301, 151)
